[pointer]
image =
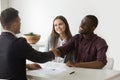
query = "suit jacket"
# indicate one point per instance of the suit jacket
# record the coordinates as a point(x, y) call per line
point(13, 54)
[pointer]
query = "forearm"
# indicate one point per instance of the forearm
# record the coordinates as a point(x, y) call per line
point(93, 64)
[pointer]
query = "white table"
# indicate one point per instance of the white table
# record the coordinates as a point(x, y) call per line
point(59, 71)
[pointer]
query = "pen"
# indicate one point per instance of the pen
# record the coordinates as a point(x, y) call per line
point(53, 69)
point(72, 72)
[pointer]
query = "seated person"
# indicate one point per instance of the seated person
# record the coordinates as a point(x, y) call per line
point(89, 49)
point(14, 51)
point(60, 35)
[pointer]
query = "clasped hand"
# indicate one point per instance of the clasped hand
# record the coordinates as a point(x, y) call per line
point(56, 52)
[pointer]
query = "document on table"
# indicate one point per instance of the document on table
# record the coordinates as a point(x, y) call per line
point(49, 69)
point(46, 72)
point(52, 71)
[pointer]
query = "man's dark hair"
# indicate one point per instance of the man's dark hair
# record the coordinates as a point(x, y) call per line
point(8, 16)
point(94, 20)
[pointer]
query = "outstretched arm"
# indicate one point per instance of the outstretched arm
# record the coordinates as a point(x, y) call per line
point(92, 64)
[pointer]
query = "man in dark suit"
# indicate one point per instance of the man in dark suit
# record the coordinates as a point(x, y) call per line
point(14, 51)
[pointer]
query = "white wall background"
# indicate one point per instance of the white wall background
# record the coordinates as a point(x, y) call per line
point(37, 16)
point(0, 10)
point(0, 6)
point(3, 5)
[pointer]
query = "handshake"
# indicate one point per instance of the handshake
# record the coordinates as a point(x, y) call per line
point(56, 52)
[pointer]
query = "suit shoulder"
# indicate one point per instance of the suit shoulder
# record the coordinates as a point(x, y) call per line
point(21, 40)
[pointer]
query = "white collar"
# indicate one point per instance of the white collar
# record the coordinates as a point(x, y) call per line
point(9, 32)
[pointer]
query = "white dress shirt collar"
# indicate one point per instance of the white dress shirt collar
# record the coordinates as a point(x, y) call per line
point(10, 32)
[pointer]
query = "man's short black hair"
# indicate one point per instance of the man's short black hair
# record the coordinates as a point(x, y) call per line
point(93, 19)
point(8, 16)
